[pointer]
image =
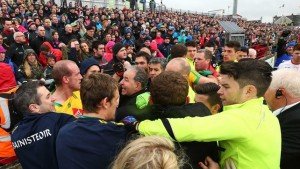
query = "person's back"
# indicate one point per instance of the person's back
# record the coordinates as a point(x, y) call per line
point(89, 143)
point(92, 140)
point(169, 92)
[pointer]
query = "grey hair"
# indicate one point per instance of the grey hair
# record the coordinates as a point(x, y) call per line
point(207, 53)
point(162, 61)
point(140, 76)
point(288, 79)
point(16, 34)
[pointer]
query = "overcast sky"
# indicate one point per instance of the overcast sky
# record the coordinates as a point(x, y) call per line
point(250, 9)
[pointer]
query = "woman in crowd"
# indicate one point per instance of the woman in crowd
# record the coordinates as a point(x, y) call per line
point(85, 50)
point(31, 69)
point(148, 153)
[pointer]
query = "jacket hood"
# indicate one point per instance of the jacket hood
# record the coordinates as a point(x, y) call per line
point(48, 44)
point(109, 46)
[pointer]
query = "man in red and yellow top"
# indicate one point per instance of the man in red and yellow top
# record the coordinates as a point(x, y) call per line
point(67, 79)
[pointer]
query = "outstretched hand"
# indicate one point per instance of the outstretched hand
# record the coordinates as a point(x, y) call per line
point(209, 164)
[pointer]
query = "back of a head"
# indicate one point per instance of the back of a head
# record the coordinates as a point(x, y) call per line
point(95, 88)
point(249, 72)
point(61, 69)
point(178, 50)
point(169, 88)
point(179, 65)
point(288, 79)
point(151, 152)
point(211, 90)
point(191, 44)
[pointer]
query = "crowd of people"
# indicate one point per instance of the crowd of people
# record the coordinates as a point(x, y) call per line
point(87, 81)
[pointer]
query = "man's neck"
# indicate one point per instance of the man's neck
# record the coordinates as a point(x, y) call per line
point(98, 114)
point(61, 94)
point(295, 62)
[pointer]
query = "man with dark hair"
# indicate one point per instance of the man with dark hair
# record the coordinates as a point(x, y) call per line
point(116, 66)
point(178, 50)
point(156, 66)
point(36, 133)
point(89, 36)
point(7, 33)
point(92, 141)
point(207, 94)
point(169, 92)
point(191, 51)
point(142, 60)
point(294, 63)
point(230, 51)
point(134, 98)
point(243, 53)
point(99, 49)
point(244, 125)
point(165, 48)
point(67, 77)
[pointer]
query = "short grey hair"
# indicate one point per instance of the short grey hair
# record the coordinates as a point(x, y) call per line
point(17, 34)
point(162, 61)
point(288, 79)
point(140, 76)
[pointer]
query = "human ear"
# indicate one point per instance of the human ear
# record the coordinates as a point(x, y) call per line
point(34, 108)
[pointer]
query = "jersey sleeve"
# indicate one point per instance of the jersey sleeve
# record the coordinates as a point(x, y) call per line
point(210, 128)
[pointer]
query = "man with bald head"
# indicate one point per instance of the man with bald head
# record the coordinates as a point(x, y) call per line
point(36, 42)
point(181, 66)
point(252, 53)
point(68, 34)
point(16, 50)
point(67, 77)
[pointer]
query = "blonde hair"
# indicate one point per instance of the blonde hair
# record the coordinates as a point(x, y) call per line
point(151, 152)
point(27, 67)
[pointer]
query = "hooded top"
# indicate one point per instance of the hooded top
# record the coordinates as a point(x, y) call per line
point(109, 50)
point(56, 52)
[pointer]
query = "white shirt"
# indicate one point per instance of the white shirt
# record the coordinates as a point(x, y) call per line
point(280, 110)
point(289, 65)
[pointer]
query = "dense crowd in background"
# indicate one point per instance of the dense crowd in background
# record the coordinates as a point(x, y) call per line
point(77, 83)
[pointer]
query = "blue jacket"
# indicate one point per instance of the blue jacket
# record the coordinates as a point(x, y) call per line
point(282, 58)
point(89, 143)
point(34, 139)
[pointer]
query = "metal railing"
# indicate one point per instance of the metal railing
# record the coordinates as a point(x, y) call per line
point(120, 5)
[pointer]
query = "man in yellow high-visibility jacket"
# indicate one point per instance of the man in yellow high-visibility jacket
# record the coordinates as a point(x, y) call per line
point(246, 129)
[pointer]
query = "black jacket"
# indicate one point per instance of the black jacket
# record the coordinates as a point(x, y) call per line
point(290, 132)
point(16, 53)
point(37, 42)
point(195, 151)
point(128, 107)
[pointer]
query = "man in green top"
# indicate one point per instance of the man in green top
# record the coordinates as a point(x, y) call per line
point(246, 129)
